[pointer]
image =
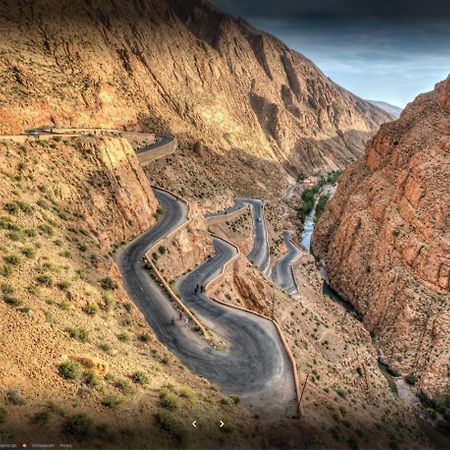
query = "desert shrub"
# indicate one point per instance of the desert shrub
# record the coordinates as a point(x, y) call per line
point(12, 301)
point(90, 309)
point(185, 392)
point(79, 334)
point(128, 307)
point(162, 249)
point(124, 337)
point(224, 401)
point(64, 305)
point(6, 288)
point(165, 360)
point(124, 386)
point(140, 377)
point(172, 426)
point(15, 397)
point(16, 236)
point(91, 378)
point(40, 418)
point(63, 285)
point(144, 337)
point(109, 301)
point(411, 379)
point(236, 399)
point(341, 392)
point(108, 283)
point(12, 260)
point(5, 270)
point(29, 252)
point(70, 370)
point(12, 207)
point(111, 401)
point(46, 229)
point(167, 400)
point(3, 415)
point(79, 426)
point(45, 280)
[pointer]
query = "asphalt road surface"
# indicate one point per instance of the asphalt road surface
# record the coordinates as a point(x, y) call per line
point(259, 254)
point(282, 272)
point(163, 139)
point(254, 364)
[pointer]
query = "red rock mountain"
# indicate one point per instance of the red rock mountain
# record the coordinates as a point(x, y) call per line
point(179, 66)
point(385, 239)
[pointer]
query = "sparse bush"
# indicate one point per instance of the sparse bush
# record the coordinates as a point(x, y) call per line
point(124, 386)
point(79, 334)
point(127, 307)
point(165, 360)
point(124, 337)
point(144, 337)
point(45, 280)
point(411, 379)
point(15, 397)
point(224, 401)
point(108, 283)
point(236, 399)
point(3, 415)
point(173, 426)
point(70, 370)
point(6, 288)
point(29, 252)
point(140, 377)
point(12, 260)
point(79, 426)
point(162, 249)
point(12, 208)
point(109, 301)
point(186, 392)
point(90, 309)
point(63, 285)
point(40, 418)
point(111, 401)
point(91, 378)
point(12, 301)
point(167, 400)
point(6, 270)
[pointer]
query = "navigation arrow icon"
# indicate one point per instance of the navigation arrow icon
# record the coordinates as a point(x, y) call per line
point(194, 424)
point(221, 424)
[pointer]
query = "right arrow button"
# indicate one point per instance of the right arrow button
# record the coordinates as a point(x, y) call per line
point(221, 424)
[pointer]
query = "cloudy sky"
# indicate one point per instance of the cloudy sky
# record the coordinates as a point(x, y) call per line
point(389, 50)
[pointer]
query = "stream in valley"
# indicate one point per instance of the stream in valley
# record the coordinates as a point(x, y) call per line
point(396, 383)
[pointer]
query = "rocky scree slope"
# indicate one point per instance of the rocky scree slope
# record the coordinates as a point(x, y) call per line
point(385, 240)
point(182, 67)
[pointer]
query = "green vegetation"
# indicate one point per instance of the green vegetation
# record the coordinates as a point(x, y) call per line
point(171, 425)
point(12, 260)
point(124, 386)
point(323, 199)
point(14, 397)
point(79, 426)
point(108, 283)
point(140, 377)
point(111, 401)
point(411, 379)
point(40, 418)
point(79, 334)
point(90, 309)
point(167, 400)
point(45, 280)
point(440, 404)
point(308, 202)
point(124, 337)
point(29, 252)
point(91, 378)
point(70, 370)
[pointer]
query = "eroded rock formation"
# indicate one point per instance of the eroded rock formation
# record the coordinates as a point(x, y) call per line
point(384, 239)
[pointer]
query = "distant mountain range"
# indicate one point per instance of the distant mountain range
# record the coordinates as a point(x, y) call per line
point(391, 109)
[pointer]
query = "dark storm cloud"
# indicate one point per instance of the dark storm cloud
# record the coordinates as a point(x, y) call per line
point(383, 50)
point(332, 9)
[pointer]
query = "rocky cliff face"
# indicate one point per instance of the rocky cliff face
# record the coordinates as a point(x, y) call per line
point(178, 66)
point(385, 242)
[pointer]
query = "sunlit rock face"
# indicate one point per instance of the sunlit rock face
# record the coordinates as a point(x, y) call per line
point(385, 242)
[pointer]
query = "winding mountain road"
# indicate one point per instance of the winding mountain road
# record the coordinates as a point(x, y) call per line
point(260, 253)
point(282, 271)
point(254, 365)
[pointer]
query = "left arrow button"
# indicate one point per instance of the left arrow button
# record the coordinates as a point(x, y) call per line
point(194, 424)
